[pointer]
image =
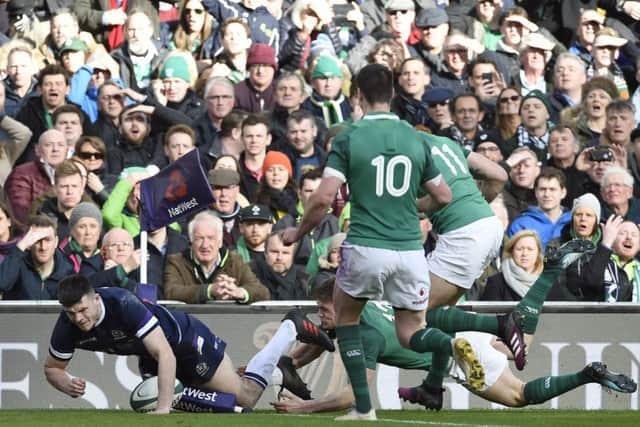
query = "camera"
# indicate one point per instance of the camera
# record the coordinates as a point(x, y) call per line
point(601, 155)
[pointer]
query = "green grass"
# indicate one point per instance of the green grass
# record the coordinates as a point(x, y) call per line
point(95, 418)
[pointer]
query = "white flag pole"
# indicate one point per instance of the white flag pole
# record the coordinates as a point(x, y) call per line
point(143, 257)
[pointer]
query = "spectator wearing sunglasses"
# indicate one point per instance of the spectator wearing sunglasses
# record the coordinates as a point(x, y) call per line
point(195, 31)
point(458, 52)
point(507, 116)
point(91, 151)
point(434, 27)
point(110, 103)
point(590, 22)
point(439, 113)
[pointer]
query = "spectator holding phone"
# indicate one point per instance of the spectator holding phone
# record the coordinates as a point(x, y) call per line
point(486, 82)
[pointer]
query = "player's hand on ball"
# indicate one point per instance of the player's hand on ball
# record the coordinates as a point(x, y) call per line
point(289, 403)
point(76, 387)
point(160, 411)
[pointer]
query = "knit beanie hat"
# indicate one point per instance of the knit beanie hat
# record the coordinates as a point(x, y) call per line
point(326, 67)
point(262, 54)
point(84, 210)
point(587, 200)
point(277, 158)
point(176, 67)
point(538, 95)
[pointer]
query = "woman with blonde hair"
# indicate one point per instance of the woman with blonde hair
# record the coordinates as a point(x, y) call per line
point(522, 263)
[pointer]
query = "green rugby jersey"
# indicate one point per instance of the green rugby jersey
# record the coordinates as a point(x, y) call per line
point(467, 203)
point(385, 162)
point(380, 341)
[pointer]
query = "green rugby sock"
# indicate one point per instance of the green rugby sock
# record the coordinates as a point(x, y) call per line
point(542, 389)
point(352, 354)
point(431, 340)
point(437, 370)
point(531, 304)
point(452, 319)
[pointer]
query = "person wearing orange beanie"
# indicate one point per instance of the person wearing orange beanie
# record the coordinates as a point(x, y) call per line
point(277, 158)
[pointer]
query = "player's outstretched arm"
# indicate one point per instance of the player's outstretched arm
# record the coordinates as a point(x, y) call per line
point(57, 376)
point(342, 399)
point(158, 347)
point(315, 211)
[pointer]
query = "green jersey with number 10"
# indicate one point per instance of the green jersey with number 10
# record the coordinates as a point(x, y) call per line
point(385, 162)
point(467, 203)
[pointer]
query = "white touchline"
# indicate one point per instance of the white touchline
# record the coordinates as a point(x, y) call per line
point(419, 422)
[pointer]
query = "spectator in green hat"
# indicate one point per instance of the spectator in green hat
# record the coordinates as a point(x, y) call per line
point(327, 101)
point(178, 73)
point(73, 55)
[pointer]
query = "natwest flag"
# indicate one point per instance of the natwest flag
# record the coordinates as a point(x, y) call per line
point(179, 190)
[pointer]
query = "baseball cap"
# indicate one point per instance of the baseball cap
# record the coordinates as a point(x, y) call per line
point(431, 17)
point(436, 95)
point(74, 44)
point(591, 15)
point(255, 212)
point(399, 5)
point(538, 41)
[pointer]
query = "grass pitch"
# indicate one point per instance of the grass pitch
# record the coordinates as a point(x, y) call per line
point(471, 418)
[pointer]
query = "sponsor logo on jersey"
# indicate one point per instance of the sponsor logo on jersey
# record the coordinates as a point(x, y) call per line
point(118, 334)
point(199, 394)
point(354, 353)
point(202, 368)
point(88, 340)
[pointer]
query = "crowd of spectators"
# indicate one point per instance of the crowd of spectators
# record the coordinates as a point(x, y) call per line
point(97, 96)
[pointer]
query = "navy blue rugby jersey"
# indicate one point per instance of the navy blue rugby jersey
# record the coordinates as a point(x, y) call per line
point(124, 323)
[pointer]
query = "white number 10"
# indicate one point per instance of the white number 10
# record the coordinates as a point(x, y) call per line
point(385, 176)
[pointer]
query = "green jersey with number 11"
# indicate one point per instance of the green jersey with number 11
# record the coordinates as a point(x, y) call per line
point(385, 162)
point(467, 203)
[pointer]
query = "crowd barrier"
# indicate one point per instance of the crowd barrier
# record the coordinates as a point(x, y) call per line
point(568, 337)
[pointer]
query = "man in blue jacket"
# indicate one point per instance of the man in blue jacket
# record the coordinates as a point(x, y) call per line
point(33, 268)
point(548, 217)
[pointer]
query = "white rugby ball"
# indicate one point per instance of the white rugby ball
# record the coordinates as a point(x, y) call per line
point(144, 397)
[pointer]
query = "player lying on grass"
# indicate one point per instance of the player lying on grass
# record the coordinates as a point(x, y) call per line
point(381, 346)
point(169, 343)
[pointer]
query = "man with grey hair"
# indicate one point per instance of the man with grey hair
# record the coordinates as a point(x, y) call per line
point(620, 122)
point(219, 98)
point(140, 56)
point(288, 97)
point(208, 270)
point(616, 190)
point(569, 74)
